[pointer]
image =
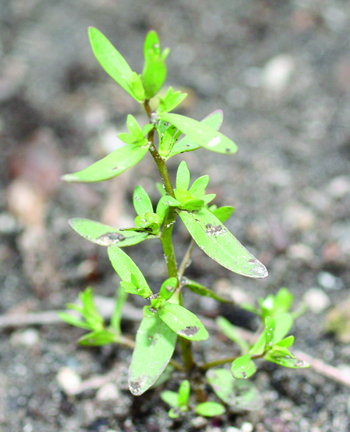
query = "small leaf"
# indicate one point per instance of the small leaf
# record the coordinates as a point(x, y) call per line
point(174, 413)
point(283, 324)
point(223, 213)
point(229, 330)
point(198, 187)
point(220, 245)
point(105, 235)
point(89, 310)
point(111, 60)
point(259, 347)
point(183, 322)
point(154, 71)
point(184, 393)
point(208, 198)
point(170, 101)
point(167, 139)
point(171, 398)
point(134, 127)
point(243, 367)
point(155, 344)
point(110, 166)
point(202, 134)
point(193, 204)
point(213, 120)
point(164, 203)
point(74, 321)
point(168, 288)
point(142, 202)
point(270, 327)
point(204, 291)
point(128, 271)
point(129, 287)
point(98, 338)
point(210, 409)
point(287, 361)
point(287, 342)
point(238, 394)
point(283, 301)
point(183, 176)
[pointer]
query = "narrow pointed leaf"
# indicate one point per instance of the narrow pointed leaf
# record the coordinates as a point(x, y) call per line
point(243, 367)
point(142, 201)
point(74, 321)
point(98, 338)
point(202, 134)
point(168, 288)
point(220, 245)
point(170, 101)
point(204, 291)
point(154, 71)
point(134, 127)
point(110, 166)
point(198, 187)
point(129, 287)
point(223, 213)
point(171, 398)
point(105, 235)
point(183, 176)
point(238, 394)
point(208, 198)
point(287, 361)
point(213, 120)
point(155, 344)
point(229, 330)
point(270, 327)
point(210, 409)
point(164, 203)
point(287, 342)
point(111, 60)
point(183, 322)
point(193, 204)
point(128, 271)
point(283, 324)
point(184, 393)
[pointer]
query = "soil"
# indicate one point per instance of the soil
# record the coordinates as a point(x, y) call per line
point(280, 70)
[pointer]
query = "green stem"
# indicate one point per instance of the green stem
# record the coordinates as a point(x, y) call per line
point(166, 236)
point(220, 362)
point(186, 259)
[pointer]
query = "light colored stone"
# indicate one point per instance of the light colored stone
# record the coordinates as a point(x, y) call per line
point(28, 337)
point(329, 281)
point(68, 380)
point(108, 392)
point(277, 73)
point(300, 251)
point(247, 427)
point(317, 300)
point(339, 187)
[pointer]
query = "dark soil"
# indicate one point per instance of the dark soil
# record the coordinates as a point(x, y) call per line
point(280, 70)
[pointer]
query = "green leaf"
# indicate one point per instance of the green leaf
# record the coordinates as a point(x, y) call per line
point(164, 203)
point(128, 271)
point(270, 327)
point(183, 322)
point(220, 245)
point(174, 413)
point(283, 324)
point(105, 235)
point(155, 344)
point(287, 361)
point(170, 101)
point(168, 288)
point(110, 166)
point(142, 202)
point(134, 127)
point(74, 321)
point(213, 120)
point(283, 301)
point(287, 342)
point(259, 347)
point(207, 198)
point(99, 338)
point(154, 71)
point(192, 204)
point(171, 398)
point(238, 394)
point(202, 134)
point(89, 310)
point(137, 87)
point(121, 297)
point(129, 288)
point(210, 409)
point(112, 61)
point(167, 138)
point(230, 331)
point(243, 367)
point(223, 213)
point(204, 291)
point(184, 393)
point(198, 187)
point(183, 177)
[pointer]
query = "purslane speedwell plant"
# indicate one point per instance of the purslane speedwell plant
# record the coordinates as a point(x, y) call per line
point(166, 319)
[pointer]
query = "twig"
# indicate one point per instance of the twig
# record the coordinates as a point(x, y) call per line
point(186, 259)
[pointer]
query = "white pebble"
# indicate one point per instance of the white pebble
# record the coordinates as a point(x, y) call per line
point(68, 380)
point(247, 427)
point(108, 392)
point(277, 73)
point(317, 300)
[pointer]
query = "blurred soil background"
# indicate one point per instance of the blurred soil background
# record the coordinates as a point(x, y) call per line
point(280, 70)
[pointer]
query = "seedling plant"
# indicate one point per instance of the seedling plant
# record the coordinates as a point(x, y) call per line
point(166, 319)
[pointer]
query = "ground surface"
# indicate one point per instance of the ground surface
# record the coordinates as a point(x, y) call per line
point(281, 73)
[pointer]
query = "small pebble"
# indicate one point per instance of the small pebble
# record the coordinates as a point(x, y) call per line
point(108, 392)
point(300, 251)
point(317, 300)
point(247, 427)
point(328, 281)
point(232, 429)
point(339, 187)
point(28, 337)
point(199, 422)
point(278, 72)
point(68, 380)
